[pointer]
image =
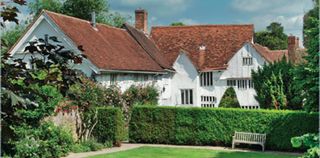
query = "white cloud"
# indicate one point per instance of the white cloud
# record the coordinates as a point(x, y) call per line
point(188, 21)
point(272, 6)
point(287, 12)
point(159, 7)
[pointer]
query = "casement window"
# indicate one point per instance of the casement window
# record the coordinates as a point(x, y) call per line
point(240, 83)
point(186, 96)
point(231, 83)
point(206, 79)
point(250, 84)
point(207, 101)
point(113, 79)
point(247, 61)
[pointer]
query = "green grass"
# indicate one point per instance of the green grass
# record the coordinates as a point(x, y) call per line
point(163, 152)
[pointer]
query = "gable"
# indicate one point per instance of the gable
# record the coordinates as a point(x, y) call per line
point(236, 69)
point(184, 66)
point(221, 42)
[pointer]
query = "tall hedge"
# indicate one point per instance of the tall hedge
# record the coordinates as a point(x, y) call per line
point(200, 126)
point(110, 126)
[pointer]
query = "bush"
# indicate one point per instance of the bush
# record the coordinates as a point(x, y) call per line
point(229, 99)
point(110, 126)
point(199, 126)
point(311, 141)
point(88, 145)
point(46, 141)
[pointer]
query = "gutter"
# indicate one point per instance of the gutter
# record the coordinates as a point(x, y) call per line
point(133, 72)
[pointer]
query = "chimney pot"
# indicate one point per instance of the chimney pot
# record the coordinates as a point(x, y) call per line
point(141, 20)
point(93, 19)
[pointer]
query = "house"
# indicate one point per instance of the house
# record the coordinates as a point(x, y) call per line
point(190, 65)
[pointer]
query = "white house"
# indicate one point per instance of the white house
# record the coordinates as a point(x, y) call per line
point(190, 65)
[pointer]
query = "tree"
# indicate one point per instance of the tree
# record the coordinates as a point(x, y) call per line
point(9, 37)
point(177, 24)
point(82, 9)
point(229, 99)
point(273, 37)
point(29, 95)
point(307, 74)
point(9, 12)
point(51, 5)
point(276, 79)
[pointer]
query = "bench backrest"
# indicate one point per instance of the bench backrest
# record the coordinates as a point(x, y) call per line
point(250, 137)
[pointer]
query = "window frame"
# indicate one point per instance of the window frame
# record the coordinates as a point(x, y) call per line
point(186, 96)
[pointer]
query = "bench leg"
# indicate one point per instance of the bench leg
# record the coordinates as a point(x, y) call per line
point(233, 145)
point(262, 147)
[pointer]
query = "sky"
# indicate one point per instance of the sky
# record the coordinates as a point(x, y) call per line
point(196, 12)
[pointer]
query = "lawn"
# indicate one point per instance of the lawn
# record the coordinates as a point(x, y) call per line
point(163, 152)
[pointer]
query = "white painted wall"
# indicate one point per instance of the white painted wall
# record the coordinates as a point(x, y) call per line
point(40, 28)
point(186, 76)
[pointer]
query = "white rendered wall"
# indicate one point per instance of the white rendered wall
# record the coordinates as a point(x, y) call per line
point(41, 28)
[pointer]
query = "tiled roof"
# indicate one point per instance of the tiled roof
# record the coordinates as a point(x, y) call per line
point(221, 42)
point(107, 47)
point(270, 55)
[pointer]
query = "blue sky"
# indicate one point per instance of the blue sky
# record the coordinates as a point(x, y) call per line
point(258, 12)
point(193, 12)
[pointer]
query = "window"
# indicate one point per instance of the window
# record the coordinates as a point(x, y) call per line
point(113, 79)
point(207, 101)
point(186, 97)
point(247, 61)
point(231, 83)
point(206, 79)
point(240, 83)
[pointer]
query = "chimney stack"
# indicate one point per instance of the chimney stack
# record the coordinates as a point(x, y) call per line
point(202, 55)
point(141, 20)
point(93, 19)
point(293, 44)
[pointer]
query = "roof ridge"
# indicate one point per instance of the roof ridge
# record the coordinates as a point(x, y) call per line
point(204, 25)
point(75, 18)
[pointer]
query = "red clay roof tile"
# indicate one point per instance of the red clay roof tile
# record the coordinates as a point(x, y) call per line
point(221, 42)
point(107, 47)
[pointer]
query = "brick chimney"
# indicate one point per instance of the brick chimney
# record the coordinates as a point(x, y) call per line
point(202, 55)
point(141, 20)
point(293, 44)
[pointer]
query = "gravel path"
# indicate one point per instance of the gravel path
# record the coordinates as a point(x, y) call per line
point(127, 146)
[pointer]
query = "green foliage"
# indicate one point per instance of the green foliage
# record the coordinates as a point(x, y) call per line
point(229, 99)
point(141, 95)
point(275, 88)
point(311, 141)
point(96, 96)
point(33, 94)
point(177, 24)
point(200, 126)
point(110, 126)
point(51, 5)
point(46, 141)
point(82, 9)
point(273, 37)
point(88, 145)
point(307, 74)
point(9, 37)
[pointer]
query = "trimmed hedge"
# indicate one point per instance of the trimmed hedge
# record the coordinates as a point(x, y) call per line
point(110, 126)
point(200, 126)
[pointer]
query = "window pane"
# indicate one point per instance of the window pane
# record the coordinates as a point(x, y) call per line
point(182, 96)
point(191, 96)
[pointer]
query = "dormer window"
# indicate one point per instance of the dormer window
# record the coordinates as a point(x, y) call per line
point(247, 61)
point(206, 79)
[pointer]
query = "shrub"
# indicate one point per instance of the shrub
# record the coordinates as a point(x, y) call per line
point(199, 126)
point(308, 140)
point(229, 99)
point(46, 141)
point(110, 126)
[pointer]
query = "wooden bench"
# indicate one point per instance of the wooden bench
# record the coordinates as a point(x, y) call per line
point(249, 138)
